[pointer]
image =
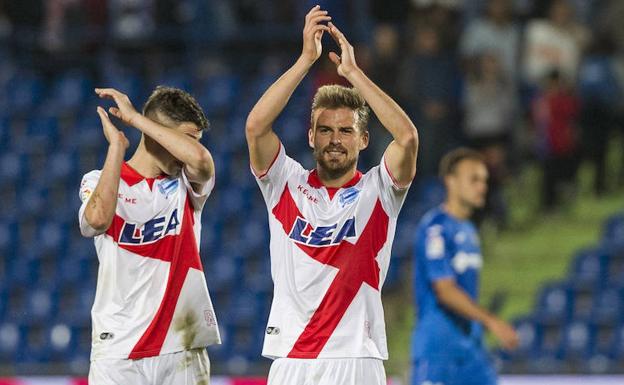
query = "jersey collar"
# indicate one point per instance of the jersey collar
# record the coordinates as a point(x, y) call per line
point(315, 181)
point(132, 176)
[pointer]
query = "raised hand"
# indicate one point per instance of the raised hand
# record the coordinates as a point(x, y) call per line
point(111, 133)
point(345, 63)
point(124, 110)
point(312, 34)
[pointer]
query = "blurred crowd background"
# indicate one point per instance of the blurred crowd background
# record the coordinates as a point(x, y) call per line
point(535, 85)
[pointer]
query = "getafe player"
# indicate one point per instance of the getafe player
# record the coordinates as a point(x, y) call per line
point(447, 347)
point(331, 227)
point(152, 315)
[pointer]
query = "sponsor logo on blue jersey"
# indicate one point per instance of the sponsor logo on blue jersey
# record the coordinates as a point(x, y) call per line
point(348, 196)
point(303, 232)
point(151, 231)
point(168, 187)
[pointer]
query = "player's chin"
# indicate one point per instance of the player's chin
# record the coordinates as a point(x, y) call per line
point(479, 203)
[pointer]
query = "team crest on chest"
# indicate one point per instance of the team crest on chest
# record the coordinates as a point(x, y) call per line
point(348, 196)
point(168, 187)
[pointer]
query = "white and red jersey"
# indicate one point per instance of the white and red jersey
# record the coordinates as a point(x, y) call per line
point(151, 295)
point(330, 251)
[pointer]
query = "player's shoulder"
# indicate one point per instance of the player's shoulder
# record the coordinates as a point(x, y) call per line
point(434, 217)
point(93, 174)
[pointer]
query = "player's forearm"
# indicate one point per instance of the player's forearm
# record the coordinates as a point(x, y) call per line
point(457, 301)
point(270, 105)
point(102, 203)
point(389, 113)
point(184, 148)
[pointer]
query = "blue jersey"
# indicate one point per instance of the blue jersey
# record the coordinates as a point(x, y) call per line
point(446, 247)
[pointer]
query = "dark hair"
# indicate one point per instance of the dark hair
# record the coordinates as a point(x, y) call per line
point(335, 96)
point(449, 162)
point(177, 105)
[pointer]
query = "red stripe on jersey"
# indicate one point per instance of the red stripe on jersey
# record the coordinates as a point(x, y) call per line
point(185, 257)
point(356, 263)
point(181, 250)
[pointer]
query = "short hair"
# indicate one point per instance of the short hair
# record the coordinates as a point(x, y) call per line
point(335, 96)
point(177, 105)
point(449, 162)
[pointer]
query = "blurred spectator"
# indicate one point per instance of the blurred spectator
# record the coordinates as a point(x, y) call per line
point(5, 23)
point(132, 21)
point(600, 95)
point(489, 109)
point(495, 33)
point(610, 22)
point(555, 111)
point(395, 11)
point(444, 17)
point(385, 59)
point(556, 42)
point(428, 83)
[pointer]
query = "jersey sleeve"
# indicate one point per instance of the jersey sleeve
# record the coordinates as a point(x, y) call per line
point(273, 181)
point(198, 198)
point(87, 185)
point(392, 196)
point(436, 256)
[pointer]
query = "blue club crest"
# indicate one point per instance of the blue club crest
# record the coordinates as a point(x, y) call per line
point(348, 196)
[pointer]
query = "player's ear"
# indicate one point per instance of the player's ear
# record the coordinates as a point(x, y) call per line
point(311, 137)
point(364, 139)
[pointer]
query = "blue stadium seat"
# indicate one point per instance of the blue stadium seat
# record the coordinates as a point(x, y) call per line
point(52, 238)
point(608, 306)
point(617, 347)
point(35, 349)
point(615, 270)
point(70, 90)
point(217, 95)
point(8, 235)
point(603, 337)
point(598, 364)
point(12, 167)
point(62, 166)
point(25, 91)
point(553, 303)
point(581, 302)
point(41, 304)
point(61, 341)
point(613, 232)
point(125, 80)
point(576, 343)
point(529, 336)
point(589, 267)
point(11, 339)
point(32, 201)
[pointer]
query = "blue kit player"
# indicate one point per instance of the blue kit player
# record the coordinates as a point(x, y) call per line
point(447, 342)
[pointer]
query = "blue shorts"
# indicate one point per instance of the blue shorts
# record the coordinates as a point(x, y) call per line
point(471, 369)
point(442, 355)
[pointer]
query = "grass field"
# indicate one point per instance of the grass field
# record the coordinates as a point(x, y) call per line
point(535, 249)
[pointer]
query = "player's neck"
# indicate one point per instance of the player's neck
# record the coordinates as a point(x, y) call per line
point(144, 163)
point(457, 210)
point(334, 182)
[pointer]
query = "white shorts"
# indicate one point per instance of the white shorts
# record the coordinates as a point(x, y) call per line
point(328, 371)
point(190, 367)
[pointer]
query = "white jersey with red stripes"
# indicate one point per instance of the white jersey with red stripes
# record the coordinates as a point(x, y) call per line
point(151, 297)
point(330, 251)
